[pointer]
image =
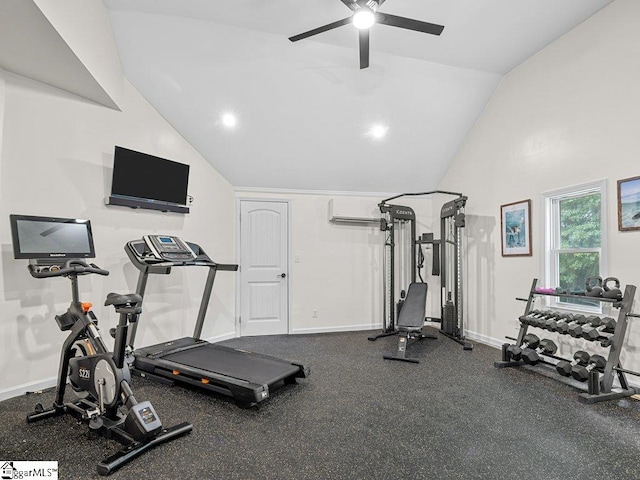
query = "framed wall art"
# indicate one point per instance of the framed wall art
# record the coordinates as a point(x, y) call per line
point(515, 226)
point(629, 204)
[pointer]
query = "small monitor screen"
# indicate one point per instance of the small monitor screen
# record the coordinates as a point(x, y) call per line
point(51, 237)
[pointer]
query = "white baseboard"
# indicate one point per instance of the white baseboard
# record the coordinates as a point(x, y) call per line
point(486, 339)
point(222, 337)
point(341, 328)
point(27, 388)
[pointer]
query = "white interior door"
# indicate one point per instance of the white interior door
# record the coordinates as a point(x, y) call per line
point(264, 273)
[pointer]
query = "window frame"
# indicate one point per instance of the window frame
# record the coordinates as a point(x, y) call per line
point(551, 239)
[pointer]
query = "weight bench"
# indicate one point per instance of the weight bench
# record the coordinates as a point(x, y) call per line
point(410, 321)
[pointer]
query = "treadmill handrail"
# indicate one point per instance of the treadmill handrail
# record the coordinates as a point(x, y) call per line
point(164, 266)
point(151, 265)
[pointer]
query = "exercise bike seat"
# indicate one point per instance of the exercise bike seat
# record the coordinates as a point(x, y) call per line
point(412, 314)
point(119, 301)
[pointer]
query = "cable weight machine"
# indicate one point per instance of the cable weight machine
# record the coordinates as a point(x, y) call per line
point(403, 260)
point(452, 221)
point(399, 224)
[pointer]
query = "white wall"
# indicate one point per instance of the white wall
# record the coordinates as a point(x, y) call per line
point(340, 269)
point(567, 116)
point(56, 157)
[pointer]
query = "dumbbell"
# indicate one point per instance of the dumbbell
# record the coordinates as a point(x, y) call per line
point(531, 316)
point(532, 356)
point(576, 329)
point(560, 323)
point(569, 321)
point(541, 321)
point(581, 372)
point(609, 292)
point(549, 322)
point(564, 368)
point(605, 342)
point(593, 286)
point(529, 341)
point(606, 324)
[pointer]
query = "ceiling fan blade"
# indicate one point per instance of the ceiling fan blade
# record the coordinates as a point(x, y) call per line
point(351, 4)
point(364, 48)
point(324, 28)
point(408, 23)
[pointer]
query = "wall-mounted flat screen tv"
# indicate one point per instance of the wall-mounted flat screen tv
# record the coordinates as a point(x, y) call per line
point(141, 180)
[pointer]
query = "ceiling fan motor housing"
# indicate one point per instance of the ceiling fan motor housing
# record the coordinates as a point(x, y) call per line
point(372, 4)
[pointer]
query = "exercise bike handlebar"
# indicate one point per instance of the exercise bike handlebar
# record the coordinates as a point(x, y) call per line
point(70, 267)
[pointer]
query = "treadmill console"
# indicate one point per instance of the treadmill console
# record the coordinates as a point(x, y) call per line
point(168, 248)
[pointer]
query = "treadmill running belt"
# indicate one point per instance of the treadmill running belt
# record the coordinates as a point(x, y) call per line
point(234, 363)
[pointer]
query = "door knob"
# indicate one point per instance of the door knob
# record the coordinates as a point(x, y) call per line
point(283, 275)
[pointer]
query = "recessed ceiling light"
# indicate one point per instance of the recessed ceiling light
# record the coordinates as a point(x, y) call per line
point(229, 120)
point(378, 131)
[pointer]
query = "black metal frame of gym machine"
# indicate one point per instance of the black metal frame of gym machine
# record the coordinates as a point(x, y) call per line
point(451, 215)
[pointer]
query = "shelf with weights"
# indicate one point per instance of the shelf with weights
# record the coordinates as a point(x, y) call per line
point(593, 373)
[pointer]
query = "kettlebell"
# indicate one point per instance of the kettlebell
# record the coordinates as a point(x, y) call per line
point(609, 292)
point(593, 290)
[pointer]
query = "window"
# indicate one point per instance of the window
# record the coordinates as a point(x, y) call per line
point(575, 241)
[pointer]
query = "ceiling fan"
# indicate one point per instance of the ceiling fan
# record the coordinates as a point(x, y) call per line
point(365, 14)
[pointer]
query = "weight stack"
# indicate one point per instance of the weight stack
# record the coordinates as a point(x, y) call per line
point(449, 318)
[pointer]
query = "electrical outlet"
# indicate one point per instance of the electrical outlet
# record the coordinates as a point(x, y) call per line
point(315, 313)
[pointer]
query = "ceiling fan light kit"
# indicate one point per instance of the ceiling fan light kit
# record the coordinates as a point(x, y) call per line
point(365, 14)
point(363, 18)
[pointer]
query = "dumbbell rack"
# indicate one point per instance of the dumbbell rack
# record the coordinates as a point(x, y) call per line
point(600, 386)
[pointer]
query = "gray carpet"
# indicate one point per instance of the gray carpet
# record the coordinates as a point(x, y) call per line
point(453, 416)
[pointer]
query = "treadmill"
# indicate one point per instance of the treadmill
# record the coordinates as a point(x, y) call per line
point(246, 376)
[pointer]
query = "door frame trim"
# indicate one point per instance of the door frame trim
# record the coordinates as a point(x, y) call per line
point(239, 200)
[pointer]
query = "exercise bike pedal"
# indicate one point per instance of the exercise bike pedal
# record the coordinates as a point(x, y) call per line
point(96, 423)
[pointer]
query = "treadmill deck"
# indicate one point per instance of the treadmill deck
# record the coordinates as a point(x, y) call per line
point(234, 363)
point(241, 374)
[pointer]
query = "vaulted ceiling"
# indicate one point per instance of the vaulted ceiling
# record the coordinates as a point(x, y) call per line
point(306, 114)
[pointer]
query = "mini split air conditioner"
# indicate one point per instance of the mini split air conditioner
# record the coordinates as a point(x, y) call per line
point(349, 210)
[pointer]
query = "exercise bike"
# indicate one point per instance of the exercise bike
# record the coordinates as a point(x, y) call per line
point(101, 378)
